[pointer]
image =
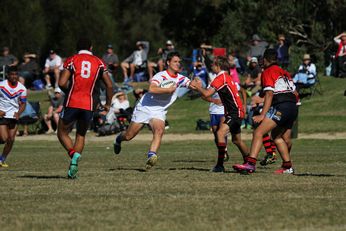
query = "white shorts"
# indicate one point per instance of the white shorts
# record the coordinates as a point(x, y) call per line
point(144, 116)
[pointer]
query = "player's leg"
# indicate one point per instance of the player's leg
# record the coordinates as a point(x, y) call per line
point(221, 147)
point(4, 136)
point(270, 148)
point(235, 129)
point(283, 147)
point(82, 128)
point(127, 135)
point(64, 128)
point(158, 128)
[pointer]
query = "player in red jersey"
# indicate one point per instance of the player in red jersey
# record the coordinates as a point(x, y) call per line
point(78, 79)
point(234, 110)
point(278, 115)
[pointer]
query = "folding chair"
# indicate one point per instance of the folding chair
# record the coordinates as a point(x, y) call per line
point(34, 123)
point(2, 73)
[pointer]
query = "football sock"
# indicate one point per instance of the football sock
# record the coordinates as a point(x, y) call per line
point(267, 143)
point(118, 139)
point(70, 152)
point(273, 146)
point(251, 160)
point(221, 147)
point(151, 153)
point(286, 164)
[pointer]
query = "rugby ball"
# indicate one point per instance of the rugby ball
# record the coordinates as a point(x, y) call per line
point(167, 83)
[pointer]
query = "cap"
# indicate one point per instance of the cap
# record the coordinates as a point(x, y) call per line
point(255, 37)
point(51, 51)
point(169, 42)
point(57, 90)
point(253, 60)
point(109, 46)
point(306, 57)
point(138, 43)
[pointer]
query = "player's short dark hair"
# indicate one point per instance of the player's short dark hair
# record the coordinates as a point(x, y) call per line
point(270, 55)
point(222, 62)
point(171, 55)
point(83, 44)
point(11, 69)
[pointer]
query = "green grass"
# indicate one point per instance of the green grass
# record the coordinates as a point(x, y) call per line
point(320, 113)
point(115, 193)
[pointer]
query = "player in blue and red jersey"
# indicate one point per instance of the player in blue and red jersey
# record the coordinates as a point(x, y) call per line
point(278, 114)
point(233, 106)
point(78, 79)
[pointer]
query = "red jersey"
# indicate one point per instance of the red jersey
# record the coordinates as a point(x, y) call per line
point(280, 82)
point(229, 96)
point(85, 69)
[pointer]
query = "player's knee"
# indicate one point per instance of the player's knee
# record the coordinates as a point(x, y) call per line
point(236, 141)
point(4, 138)
point(159, 131)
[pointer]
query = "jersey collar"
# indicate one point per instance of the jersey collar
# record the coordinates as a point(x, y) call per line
point(85, 52)
point(10, 84)
point(171, 75)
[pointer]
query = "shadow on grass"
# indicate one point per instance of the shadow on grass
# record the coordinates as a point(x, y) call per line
point(42, 177)
point(316, 174)
point(190, 168)
point(128, 169)
point(190, 161)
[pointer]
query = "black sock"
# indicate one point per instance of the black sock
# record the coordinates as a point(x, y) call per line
point(286, 164)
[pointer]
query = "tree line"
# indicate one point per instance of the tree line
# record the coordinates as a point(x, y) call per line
point(40, 25)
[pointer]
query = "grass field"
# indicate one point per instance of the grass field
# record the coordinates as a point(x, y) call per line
point(115, 193)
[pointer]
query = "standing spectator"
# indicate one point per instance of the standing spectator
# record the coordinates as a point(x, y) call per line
point(163, 52)
point(282, 48)
point(56, 105)
point(7, 59)
point(233, 70)
point(257, 47)
point(112, 61)
point(138, 59)
point(341, 55)
point(28, 70)
point(52, 68)
point(12, 104)
point(81, 71)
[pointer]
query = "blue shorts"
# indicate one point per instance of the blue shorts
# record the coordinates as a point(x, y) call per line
point(215, 119)
point(283, 114)
point(70, 115)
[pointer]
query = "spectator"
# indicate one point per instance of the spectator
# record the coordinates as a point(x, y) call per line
point(52, 69)
point(306, 72)
point(7, 59)
point(282, 49)
point(56, 105)
point(119, 105)
point(233, 71)
point(29, 114)
point(163, 52)
point(341, 55)
point(28, 70)
point(257, 47)
point(201, 72)
point(138, 59)
point(253, 77)
point(112, 61)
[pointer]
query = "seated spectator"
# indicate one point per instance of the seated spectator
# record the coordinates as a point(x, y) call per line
point(138, 59)
point(341, 55)
point(52, 69)
point(282, 48)
point(28, 70)
point(163, 52)
point(118, 107)
point(7, 59)
point(112, 61)
point(306, 72)
point(56, 106)
point(253, 77)
point(29, 114)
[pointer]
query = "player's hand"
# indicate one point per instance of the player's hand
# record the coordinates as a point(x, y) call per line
point(197, 83)
point(106, 107)
point(258, 119)
point(2, 114)
point(16, 115)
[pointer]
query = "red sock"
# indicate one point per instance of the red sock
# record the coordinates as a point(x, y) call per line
point(267, 143)
point(71, 152)
point(273, 146)
point(251, 160)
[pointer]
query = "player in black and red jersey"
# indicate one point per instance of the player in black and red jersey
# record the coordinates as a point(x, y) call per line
point(278, 114)
point(234, 110)
point(78, 79)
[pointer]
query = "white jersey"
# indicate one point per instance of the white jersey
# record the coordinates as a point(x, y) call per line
point(216, 109)
point(156, 105)
point(10, 97)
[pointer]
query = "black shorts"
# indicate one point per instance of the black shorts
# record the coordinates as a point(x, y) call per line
point(283, 114)
point(70, 115)
point(8, 122)
point(234, 124)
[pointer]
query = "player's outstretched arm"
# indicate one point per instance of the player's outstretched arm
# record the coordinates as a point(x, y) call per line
point(153, 88)
point(197, 85)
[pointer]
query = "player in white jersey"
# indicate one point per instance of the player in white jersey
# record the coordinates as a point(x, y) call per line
point(12, 104)
point(153, 106)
